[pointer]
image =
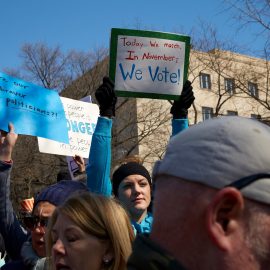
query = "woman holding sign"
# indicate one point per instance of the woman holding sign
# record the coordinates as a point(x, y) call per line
point(131, 182)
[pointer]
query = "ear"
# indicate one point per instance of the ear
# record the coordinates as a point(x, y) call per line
point(108, 255)
point(223, 217)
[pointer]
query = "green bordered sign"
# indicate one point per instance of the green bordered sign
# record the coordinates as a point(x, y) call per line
point(148, 64)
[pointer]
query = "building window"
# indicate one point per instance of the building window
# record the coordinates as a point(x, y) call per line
point(229, 86)
point(205, 81)
point(253, 89)
point(231, 113)
point(207, 113)
point(256, 116)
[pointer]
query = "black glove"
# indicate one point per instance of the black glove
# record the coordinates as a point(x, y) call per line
point(106, 98)
point(180, 107)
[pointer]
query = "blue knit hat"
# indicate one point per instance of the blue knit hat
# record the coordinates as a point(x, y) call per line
point(57, 193)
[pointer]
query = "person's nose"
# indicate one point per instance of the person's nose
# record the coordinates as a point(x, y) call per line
point(137, 189)
point(39, 229)
point(58, 247)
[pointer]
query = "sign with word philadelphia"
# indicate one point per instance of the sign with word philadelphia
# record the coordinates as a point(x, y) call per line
point(148, 64)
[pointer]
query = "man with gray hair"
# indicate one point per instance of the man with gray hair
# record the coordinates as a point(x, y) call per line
point(211, 200)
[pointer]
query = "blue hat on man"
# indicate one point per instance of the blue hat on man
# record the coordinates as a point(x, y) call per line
point(57, 193)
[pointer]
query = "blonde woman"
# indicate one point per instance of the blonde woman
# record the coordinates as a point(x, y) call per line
point(89, 231)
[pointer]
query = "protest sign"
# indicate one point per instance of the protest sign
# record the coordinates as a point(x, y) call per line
point(81, 122)
point(32, 109)
point(148, 64)
point(73, 167)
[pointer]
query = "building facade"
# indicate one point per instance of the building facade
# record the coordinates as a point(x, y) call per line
point(224, 84)
point(227, 83)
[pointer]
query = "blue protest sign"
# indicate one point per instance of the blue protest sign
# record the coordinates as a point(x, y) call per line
point(32, 109)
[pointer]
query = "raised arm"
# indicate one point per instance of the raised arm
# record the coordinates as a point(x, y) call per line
point(80, 174)
point(99, 166)
point(10, 228)
point(179, 109)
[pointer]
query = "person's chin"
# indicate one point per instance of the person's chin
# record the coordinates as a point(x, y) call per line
point(39, 248)
point(140, 206)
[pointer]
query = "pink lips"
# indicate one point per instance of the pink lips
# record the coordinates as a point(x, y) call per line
point(138, 200)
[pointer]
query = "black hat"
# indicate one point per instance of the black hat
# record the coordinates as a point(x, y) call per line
point(125, 170)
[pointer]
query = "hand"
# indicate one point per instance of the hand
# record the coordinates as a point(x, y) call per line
point(180, 107)
point(7, 143)
point(80, 163)
point(106, 98)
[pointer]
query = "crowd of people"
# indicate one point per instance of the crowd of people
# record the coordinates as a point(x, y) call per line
point(206, 205)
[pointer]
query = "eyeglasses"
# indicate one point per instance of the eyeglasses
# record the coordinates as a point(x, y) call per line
point(245, 181)
point(31, 222)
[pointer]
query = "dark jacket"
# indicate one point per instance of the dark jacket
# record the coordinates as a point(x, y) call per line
point(13, 233)
point(15, 265)
point(29, 260)
point(148, 255)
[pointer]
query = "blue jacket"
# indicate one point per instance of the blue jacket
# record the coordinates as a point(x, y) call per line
point(99, 167)
point(99, 164)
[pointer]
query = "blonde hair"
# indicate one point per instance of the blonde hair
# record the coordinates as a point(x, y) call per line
point(102, 217)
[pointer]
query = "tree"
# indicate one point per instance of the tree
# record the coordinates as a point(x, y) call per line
point(207, 57)
point(51, 68)
point(253, 16)
point(251, 12)
point(141, 127)
point(45, 66)
point(221, 60)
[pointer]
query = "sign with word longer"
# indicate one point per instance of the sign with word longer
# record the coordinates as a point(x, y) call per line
point(32, 109)
point(148, 64)
point(81, 122)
